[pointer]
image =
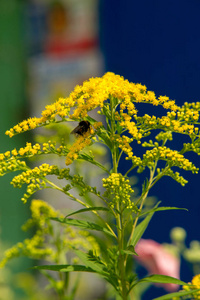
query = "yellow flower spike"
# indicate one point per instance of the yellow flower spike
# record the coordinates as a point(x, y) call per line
point(81, 142)
point(119, 187)
point(92, 94)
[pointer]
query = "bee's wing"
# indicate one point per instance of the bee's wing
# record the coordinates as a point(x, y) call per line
point(76, 129)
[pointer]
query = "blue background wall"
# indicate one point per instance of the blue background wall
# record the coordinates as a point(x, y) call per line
point(157, 43)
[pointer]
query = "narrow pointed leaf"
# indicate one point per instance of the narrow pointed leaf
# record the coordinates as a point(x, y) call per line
point(162, 279)
point(140, 229)
point(96, 266)
point(129, 252)
point(90, 159)
point(163, 208)
point(83, 224)
point(88, 209)
point(65, 268)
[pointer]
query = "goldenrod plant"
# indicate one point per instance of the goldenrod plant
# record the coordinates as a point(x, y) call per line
point(104, 242)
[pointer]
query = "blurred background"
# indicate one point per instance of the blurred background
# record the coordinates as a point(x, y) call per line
point(49, 46)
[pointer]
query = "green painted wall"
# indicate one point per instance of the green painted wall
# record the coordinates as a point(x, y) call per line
point(13, 212)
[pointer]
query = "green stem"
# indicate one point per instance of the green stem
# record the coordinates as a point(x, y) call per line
point(119, 217)
point(144, 196)
point(126, 174)
point(152, 181)
point(122, 263)
point(113, 150)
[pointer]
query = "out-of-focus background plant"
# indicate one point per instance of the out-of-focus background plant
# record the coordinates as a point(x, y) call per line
point(47, 47)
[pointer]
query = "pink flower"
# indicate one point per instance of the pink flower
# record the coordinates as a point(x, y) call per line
point(157, 260)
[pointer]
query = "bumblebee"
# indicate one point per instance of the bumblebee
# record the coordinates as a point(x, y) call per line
point(82, 128)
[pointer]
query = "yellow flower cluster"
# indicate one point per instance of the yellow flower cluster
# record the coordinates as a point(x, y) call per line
point(180, 122)
point(25, 125)
point(34, 247)
point(92, 94)
point(37, 172)
point(34, 178)
point(29, 248)
point(195, 284)
point(11, 165)
point(81, 142)
point(117, 99)
point(119, 191)
point(126, 123)
point(32, 150)
point(80, 239)
point(179, 126)
point(58, 109)
point(174, 175)
point(133, 130)
point(28, 150)
point(10, 160)
point(124, 144)
point(164, 136)
point(97, 125)
point(173, 157)
point(38, 247)
point(40, 211)
point(189, 111)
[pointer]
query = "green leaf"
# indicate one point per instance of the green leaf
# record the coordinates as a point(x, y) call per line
point(91, 262)
point(90, 159)
point(140, 229)
point(159, 279)
point(52, 283)
point(97, 267)
point(163, 208)
point(130, 251)
point(177, 294)
point(88, 209)
point(65, 268)
point(106, 138)
point(106, 112)
point(162, 279)
point(92, 265)
point(83, 224)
